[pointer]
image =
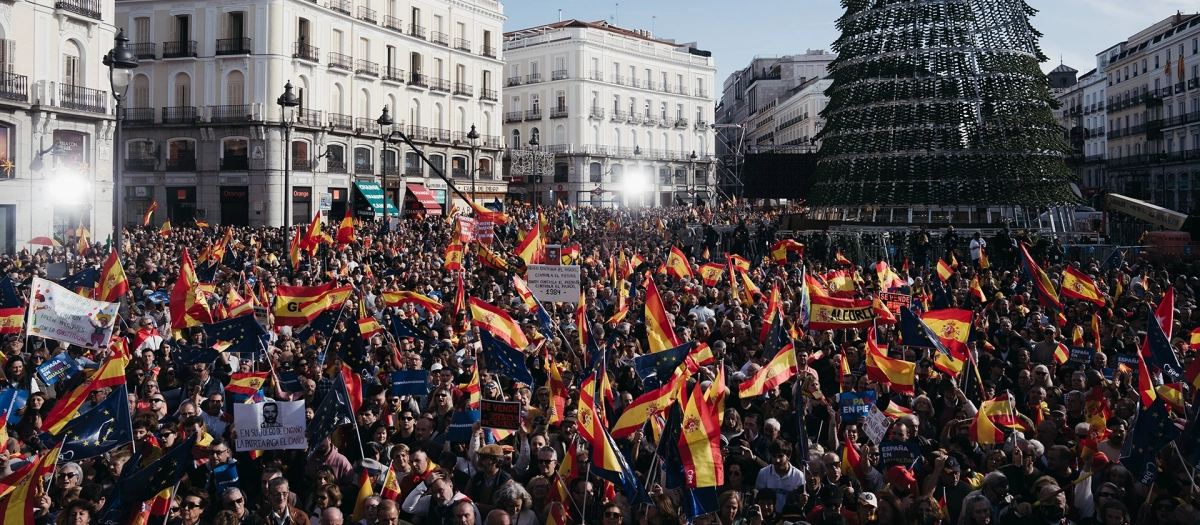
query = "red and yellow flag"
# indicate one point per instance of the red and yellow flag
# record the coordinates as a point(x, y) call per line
point(983, 259)
point(841, 259)
point(165, 229)
point(983, 431)
point(299, 305)
point(18, 507)
point(898, 373)
point(113, 283)
point(531, 250)
point(188, 304)
point(294, 250)
point(365, 490)
point(345, 233)
point(472, 391)
point(1076, 284)
point(781, 368)
point(646, 406)
point(700, 443)
point(711, 273)
point(677, 264)
point(248, 383)
point(897, 411)
point(952, 326)
point(149, 213)
point(454, 256)
point(110, 374)
point(944, 270)
point(558, 392)
point(397, 298)
point(659, 331)
point(368, 327)
point(841, 283)
point(977, 291)
point(496, 321)
point(391, 485)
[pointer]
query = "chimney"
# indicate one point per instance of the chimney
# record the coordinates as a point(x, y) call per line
point(560, 15)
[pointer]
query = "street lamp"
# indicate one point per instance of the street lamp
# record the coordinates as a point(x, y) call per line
point(473, 136)
point(385, 128)
point(287, 100)
point(693, 168)
point(120, 60)
point(533, 144)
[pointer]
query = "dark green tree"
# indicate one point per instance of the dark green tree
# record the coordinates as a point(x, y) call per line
point(940, 102)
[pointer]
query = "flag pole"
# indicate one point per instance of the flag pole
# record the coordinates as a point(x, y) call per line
point(171, 498)
point(354, 418)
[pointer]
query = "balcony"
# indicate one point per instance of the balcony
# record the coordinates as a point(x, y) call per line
point(235, 163)
point(182, 164)
point(414, 172)
point(533, 78)
point(339, 6)
point(439, 38)
point(392, 74)
point(179, 115)
point(619, 116)
point(416, 31)
point(701, 93)
point(340, 61)
point(701, 125)
point(340, 122)
point(492, 141)
point(14, 87)
point(634, 118)
point(665, 121)
point(652, 85)
point(1115, 134)
point(365, 67)
point(312, 118)
point(233, 46)
point(533, 114)
point(513, 116)
point(681, 122)
point(462, 44)
point(367, 125)
point(302, 164)
point(513, 81)
point(488, 51)
point(335, 166)
point(666, 87)
point(597, 75)
point(179, 49)
point(1193, 83)
point(366, 15)
point(418, 133)
point(489, 94)
point(140, 164)
point(458, 173)
point(560, 112)
point(651, 120)
point(618, 79)
point(1137, 129)
point(1179, 89)
point(391, 170)
point(682, 90)
point(234, 113)
point(596, 112)
point(439, 134)
point(306, 52)
point(439, 84)
point(88, 8)
point(465, 90)
point(393, 23)
point(418, 80)
point(364, 169)
point(559, 74)
point(144, 51)
point(82, 99)
point(138, 116)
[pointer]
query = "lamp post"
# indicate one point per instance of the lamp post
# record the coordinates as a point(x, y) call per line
point(692, 157)
point(533, 145)
point(473, 136)
point(120, 60)
point(287, 100)
point(385, 128)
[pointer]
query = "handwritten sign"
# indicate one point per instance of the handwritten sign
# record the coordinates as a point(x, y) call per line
point(554, 284)
point(61, 367)
point(466, 229)
point(856, 405)
point(895, 301)
point(876, 425)
point(58, 313)
point(504, 415)
point(274, 425)
point(410, 382)
point(899, 453)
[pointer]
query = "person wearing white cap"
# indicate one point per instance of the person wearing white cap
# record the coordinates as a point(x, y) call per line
point(867, 504)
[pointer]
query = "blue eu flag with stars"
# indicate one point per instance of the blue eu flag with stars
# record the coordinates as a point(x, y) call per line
point(657, 367)
point(83, 279)
point(333, 412)
point(1160, 350)
point(1153, 430)
point(243, 333)
point(505, 359)
point(324, 324)
point(143, 485)
point(103, 428)
point(194, 355)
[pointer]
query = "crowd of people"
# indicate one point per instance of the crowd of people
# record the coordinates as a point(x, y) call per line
point(784, 454)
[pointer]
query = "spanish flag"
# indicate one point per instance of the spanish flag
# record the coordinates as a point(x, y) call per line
point(1077, 336)
point(581, 323)
point(888, 278)
point(1000, 411)
point(646, 406)
point(558, 391)
point(165, 229)
point(738, 262)
point(239, 306)
point(748, 289)
point(110, 374)
point(454, 256)
point(149, 213)
point(1076, 284)
point(841, 283)
point(345, 233)
point(496, 321)
point(247, 383)
point(299, 305)
point(700, 443)
point(113, 283)
point(983, 431)
point(779, 370)
point(402, 297)
point(1172, 395)
point(953, 261)
point(1193, 339)
point(977, 291)
point(294, 250)
point(531, 250)
point(367, 325)
point(953, 328)
point(365, 490)
point(883, 315)
point(780, 249)
point(12, 312)
point(895, 411)
point(983, 260)
point(17, 507)
point(489, 259)
point(677, 264)
point(841, 259)
point(898, 373)
point(391, 486)
point(1145, 386)
point(815, 287)
point(659, 331)
point(711, 273)
point(943, 270)
point(472, 391)
point(526, 295)
point(312, 239)
point(188, 305)
point(1042, 285)
point(951, 365)
point(773, 314)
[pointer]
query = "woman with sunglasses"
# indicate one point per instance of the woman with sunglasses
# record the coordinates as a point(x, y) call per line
point(441, 407)
point(612, 514)
point(191, 508)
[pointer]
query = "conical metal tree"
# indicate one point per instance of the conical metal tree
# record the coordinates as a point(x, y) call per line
point(940, 102)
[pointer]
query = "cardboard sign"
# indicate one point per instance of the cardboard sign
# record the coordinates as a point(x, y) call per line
point(900, 453)
point(485, 231)
point(876, 425)
point(504, 415)
point(275, 425)
point(856, 405)
point(895, 301)
point(261, 315)
point(61, 367)
point(460, 425)
point(58, 313)
point(553, 283)
point(290, 382)
point(410, 382)
point(1081, 355)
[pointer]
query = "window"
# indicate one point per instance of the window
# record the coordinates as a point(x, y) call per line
point(336, 41)
point(617, 171)
point(364, 49)
point(234, 155)
point(560, 99)
point(71, 75)
point(181, 155)
point(458, 167)
point(362, 160)
point(561, 171)
point(235, 25)
point(300, 157)
point(663, 112)
point(664, 176)
point(412, 164)
point(183, 90)
point(182, 29)
point(302, 32)
point(235, 89)
point(616, 103)
point(594, 172)
point(516, 139)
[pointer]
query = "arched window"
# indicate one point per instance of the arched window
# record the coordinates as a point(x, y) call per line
point(301, 159)
point(335, 158)
point(485, 169)
point(439, 162)
point(458, 166)
point(560, 134)
point(182, 92)
point(363, 158)
point(535, 135)
point(235, 89)
point(412, 165)
point(617, 171)
point(594, 172)
point(235, 154)
point(181, 155)
point(516, 139)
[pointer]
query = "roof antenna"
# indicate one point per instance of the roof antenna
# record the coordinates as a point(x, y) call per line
point(560, 15)
point(616, 14)
point(652, 20)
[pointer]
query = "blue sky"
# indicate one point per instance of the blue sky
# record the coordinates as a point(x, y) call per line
point(736, 31)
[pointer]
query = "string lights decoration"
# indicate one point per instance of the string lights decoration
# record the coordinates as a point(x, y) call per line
point(940, 103)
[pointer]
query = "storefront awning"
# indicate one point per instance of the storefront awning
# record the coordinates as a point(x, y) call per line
point(371, 201)
point(424, 201)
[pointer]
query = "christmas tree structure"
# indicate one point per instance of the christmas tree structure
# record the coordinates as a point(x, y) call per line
point(940, 103)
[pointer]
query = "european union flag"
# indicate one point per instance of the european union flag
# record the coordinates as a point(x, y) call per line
point(146, 483)
point(655, 367)
point(1153, 430)
point(86, 278)
point(192, 355)
point(1160, 350)
point(8, 294)
point(243, 333)
point(353, 351)
point(206, 272)
point(505, 359)
point(1115, 259)
point(333, 412)
point(668, 448)
point(103, 428)
point(402, 330)
point(915, 332)
point(699, 501)
point(1190, 443)
point(324, 324)
point(777, 338)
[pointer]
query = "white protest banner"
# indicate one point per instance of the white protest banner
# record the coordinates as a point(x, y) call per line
point(274, 425)
point(876, 425)
point(554, 284)
point(58, 313)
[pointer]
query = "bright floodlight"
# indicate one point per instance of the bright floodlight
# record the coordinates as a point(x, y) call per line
point(635, 184)
point(71, 188)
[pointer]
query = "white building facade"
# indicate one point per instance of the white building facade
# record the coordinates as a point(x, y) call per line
point(56, 121)
point(627, 116)
point(797, 116)
point(203, 133)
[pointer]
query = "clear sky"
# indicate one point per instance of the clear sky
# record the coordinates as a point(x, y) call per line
point(737, 30)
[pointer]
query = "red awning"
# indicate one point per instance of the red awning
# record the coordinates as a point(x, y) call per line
point(425, 199)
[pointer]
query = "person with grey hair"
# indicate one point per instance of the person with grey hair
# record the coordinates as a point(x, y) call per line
point(993, 491)
point(977, 510)
point(279, 511)
point(1022, 472)
point(514, 500)
point(234, 500)
point(332, 516)
point(371, 510)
